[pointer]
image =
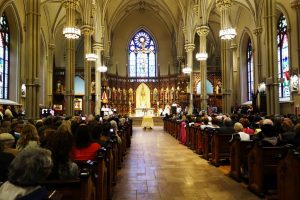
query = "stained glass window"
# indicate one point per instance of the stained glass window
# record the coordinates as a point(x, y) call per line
point(283, 57)
point(250, 77)
point(4, 57)
point(142, 55)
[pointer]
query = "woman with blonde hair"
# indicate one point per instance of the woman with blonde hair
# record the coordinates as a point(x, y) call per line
point(29, 138)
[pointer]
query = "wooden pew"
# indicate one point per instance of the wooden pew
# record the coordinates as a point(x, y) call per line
point(220, 147)
point(288, 177)
point(128, 134)
point(193, 137)
point(188, 135)
point(82, 188)
point(171, 127)
point(114, 144)
point(239, 151)
point(121, 147)
point(198, 140)
point(206, 142)
point(177, 129)
point(101, 175)
point(110, 170)
point(263, 163)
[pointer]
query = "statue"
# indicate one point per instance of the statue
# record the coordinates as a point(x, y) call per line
point(219, 87)
point(93, 87)
point(143, 98)
point(130, 95)
point(155, 95)
point(58, 87)
point(124, 95)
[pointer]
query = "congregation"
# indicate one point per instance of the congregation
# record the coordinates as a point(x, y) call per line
point(34, 152)
point(256, 147)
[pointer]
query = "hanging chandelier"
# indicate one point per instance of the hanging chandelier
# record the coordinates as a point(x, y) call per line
point(71, 32)
point(91, 57)
point(102, 68)
point(227, 32)
point(187, 70)
point(201, 56)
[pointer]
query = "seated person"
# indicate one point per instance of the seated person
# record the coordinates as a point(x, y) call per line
point(215, 123)
point(8, 142)
point(227, 127)
point(27, 170)
point(60, 144)
point(245, 122)
point(105, 134)
point(16, 129)
point(115, 131)
point(84, 148)
point(288, 134)
point(29, 138)
point(205, 124)
point(5, 159)
point(296, 141)
point(267, 136)
point(238, 127)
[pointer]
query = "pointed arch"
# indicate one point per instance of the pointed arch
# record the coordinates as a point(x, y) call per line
point(247, 70)
point(209, 87)
point(283, 57)
point(4, 57)
point(9, 9)
point(142, 54)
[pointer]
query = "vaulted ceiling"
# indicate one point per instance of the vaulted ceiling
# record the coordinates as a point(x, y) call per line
point(177, 16)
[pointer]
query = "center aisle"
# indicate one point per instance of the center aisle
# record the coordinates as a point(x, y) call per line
point(158, 167)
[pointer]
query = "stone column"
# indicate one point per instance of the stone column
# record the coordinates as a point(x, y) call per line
point(86, 31)
point(235, 76)
point(98, 47)
point(50, 75)
point(226, 69)
point(189, 48)
point(70, 6)
point(32, 57)
point(179, 59)
point(226, 65)
point(257, 32)
point(203, 32)
point(271, 57)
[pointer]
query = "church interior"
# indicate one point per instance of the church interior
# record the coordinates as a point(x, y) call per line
point(47, 70)
point(163, 64)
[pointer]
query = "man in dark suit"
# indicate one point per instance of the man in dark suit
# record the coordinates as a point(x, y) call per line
point(227, 127)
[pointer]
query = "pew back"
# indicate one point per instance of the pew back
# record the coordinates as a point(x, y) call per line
point(288, 176)
point(220, 147)
point(239, 151)
point(263, 163)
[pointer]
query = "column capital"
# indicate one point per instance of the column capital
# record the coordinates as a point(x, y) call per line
point(202, 30)
point(70, 3)
point(223, 4)
point(98, 46)
point(87, 29)
point(295, 4)
point(257, 31)
point(233, 46)
point(108, 43)
point(51, 46)
point(189, 47)
point(180, 58)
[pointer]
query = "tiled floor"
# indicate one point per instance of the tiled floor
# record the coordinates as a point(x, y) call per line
point(158, 167)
